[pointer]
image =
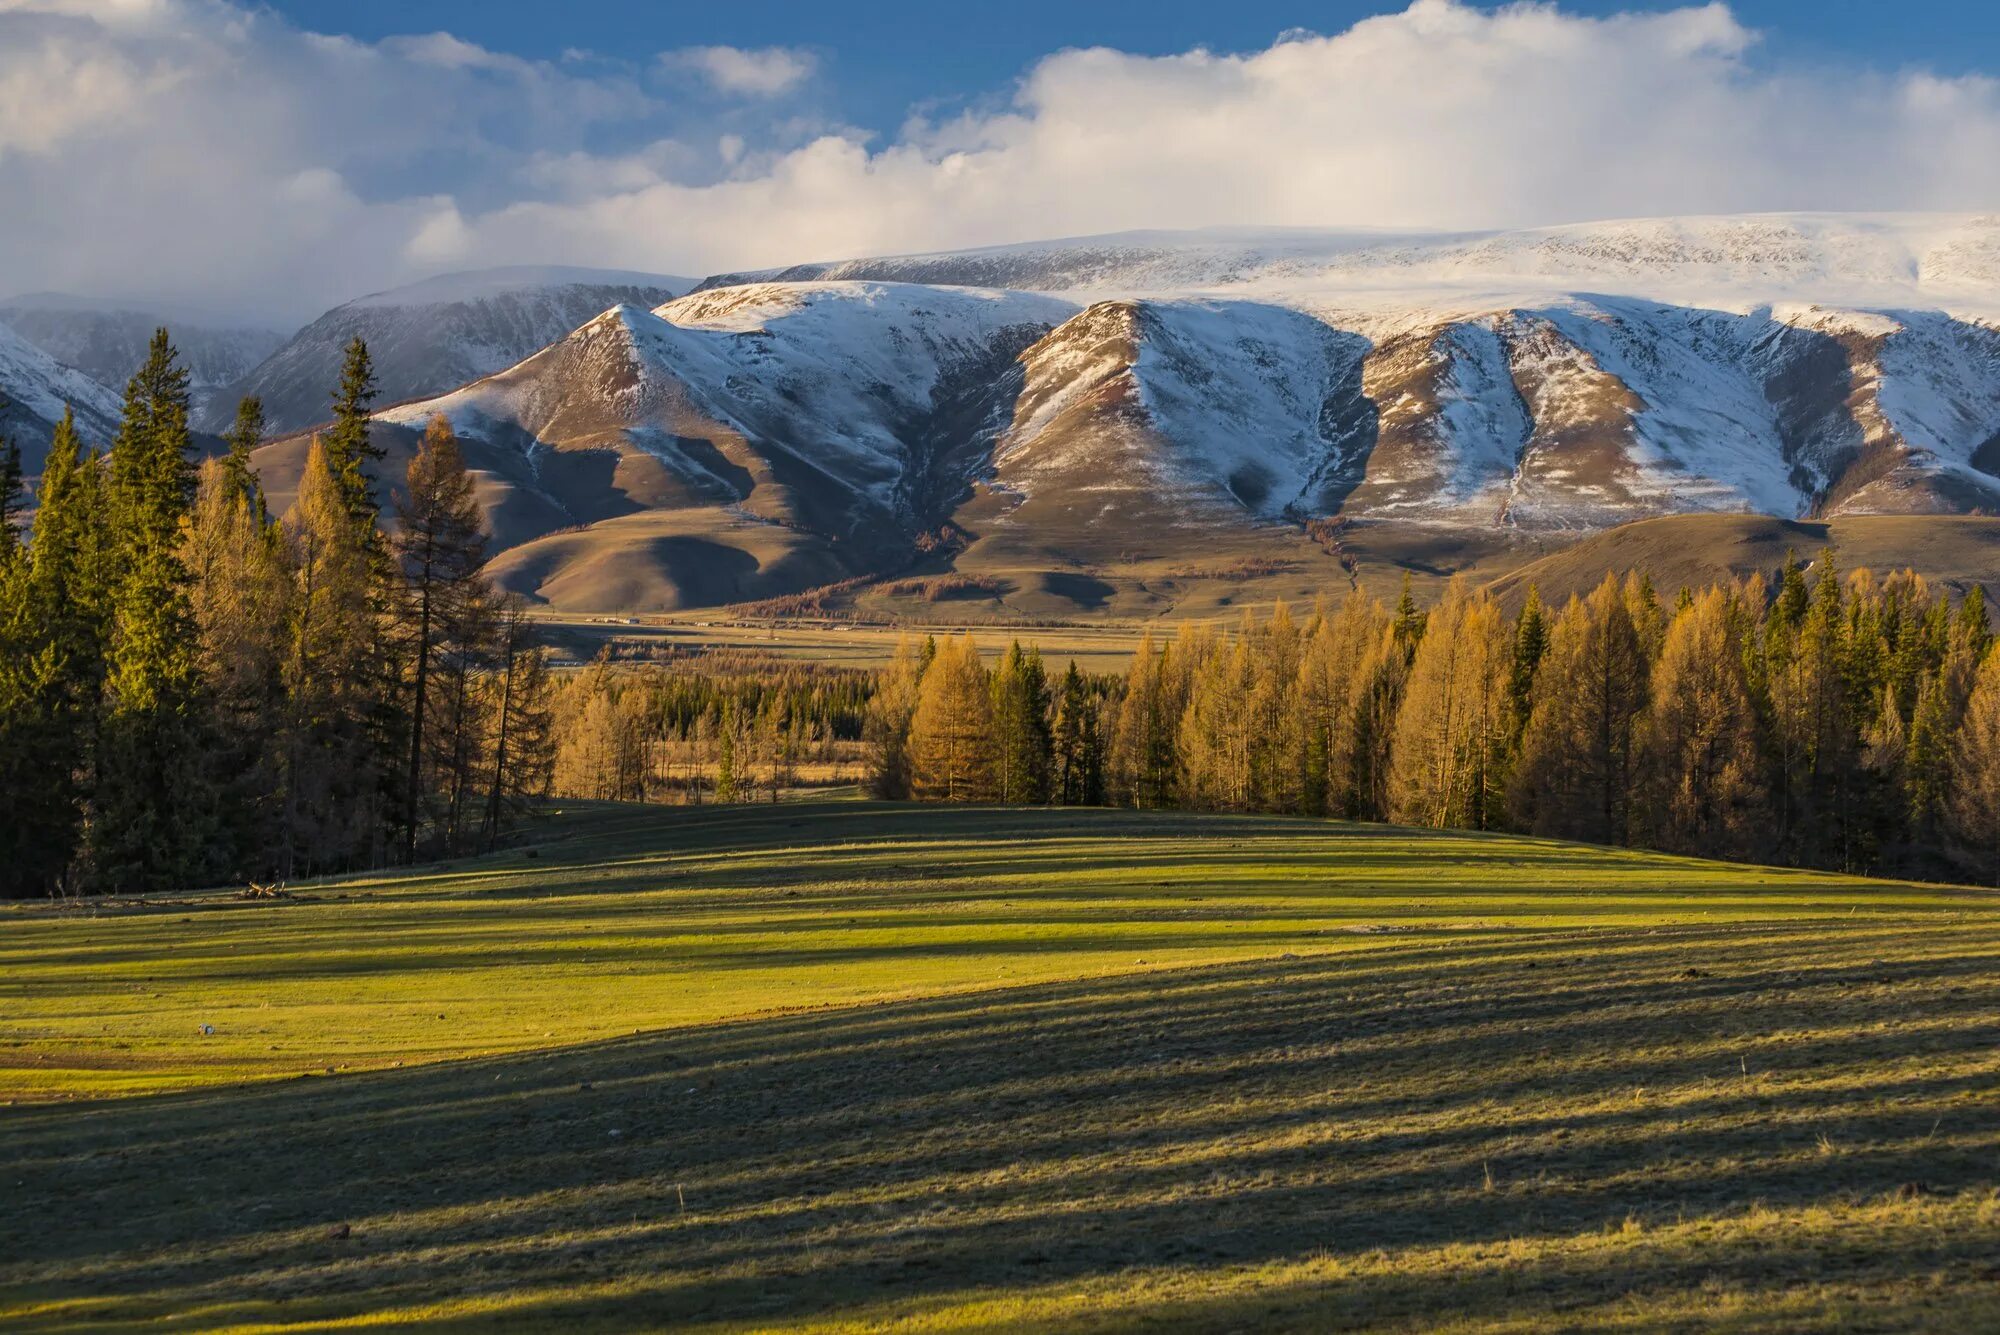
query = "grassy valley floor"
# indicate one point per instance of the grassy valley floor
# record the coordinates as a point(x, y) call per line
point(858, 1067)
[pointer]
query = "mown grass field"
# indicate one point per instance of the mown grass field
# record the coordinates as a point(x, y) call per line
point(858, 1067)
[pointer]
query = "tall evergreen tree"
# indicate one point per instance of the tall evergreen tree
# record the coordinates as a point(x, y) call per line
point(1816, 734)
point(1972, 623)
point(1072, 737)
point(1531, 641)
point(156, 811)
point(39, 760)
point(244, 436)
point(350, 448)
point(37, 815)
point(1023, 752)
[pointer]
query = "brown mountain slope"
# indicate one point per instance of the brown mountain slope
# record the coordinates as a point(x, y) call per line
point(1694, 550)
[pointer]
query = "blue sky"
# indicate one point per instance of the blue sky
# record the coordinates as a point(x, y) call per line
point(288, 154)
point(884, 57)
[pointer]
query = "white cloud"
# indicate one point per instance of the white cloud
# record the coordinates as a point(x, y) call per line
point(762, 72)
point(196, 149)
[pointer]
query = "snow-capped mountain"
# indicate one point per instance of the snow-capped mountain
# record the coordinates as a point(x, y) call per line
point(434, 335)
point(37, 388)
point(1950, 261)
point(840, 418)
point(1155, 398)
point(107, 340)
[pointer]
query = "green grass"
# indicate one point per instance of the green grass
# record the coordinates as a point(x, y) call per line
point(849, 1066)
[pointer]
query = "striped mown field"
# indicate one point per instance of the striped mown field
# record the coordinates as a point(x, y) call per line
point(860, 1066)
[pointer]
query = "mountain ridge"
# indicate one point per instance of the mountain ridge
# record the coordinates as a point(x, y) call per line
point(1234, 400)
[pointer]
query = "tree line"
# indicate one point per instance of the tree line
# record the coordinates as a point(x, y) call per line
point(729, 728)
point(1844, 722)
point(195, 690)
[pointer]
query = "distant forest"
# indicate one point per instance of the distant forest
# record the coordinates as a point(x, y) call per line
point(1838, 721)
point(196, 691)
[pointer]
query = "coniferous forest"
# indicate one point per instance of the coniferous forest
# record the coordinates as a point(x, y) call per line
point(194, 691)
point(1834, 720)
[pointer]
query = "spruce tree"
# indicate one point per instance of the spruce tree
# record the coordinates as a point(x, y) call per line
point(1071, 738)
point(1818, 739)
point(1021, 727)
point(155, 801)
point(727, 733)
point(239, 477)
point(1409, 620)
point(1927, 757)
point(1531, 641)
point(1972, 623)
point(350, 449)
point(37, 806)
point(1577, 768)
point(1793, 596)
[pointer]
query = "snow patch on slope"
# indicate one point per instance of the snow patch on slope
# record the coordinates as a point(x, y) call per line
point(44, 386)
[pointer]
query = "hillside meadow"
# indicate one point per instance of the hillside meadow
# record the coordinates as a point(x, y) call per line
point(848, 1066)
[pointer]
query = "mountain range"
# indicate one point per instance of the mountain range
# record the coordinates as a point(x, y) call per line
point(1094, 424)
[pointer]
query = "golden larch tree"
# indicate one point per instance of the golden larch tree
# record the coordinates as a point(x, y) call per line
point(951, 732)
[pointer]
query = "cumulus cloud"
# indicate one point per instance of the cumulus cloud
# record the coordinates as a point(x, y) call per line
point(198, 149)
point(765, 72)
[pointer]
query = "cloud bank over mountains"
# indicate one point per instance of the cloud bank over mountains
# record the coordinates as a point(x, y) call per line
point(201, 151)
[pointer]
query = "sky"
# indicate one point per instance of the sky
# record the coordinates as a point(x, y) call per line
point(268, 160)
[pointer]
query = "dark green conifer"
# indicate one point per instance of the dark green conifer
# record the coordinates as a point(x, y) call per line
point(1021, 727)
point(350, 450)
point(155, 800)
point(1531, 641)
point(1973, 625)
point(244, 437)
